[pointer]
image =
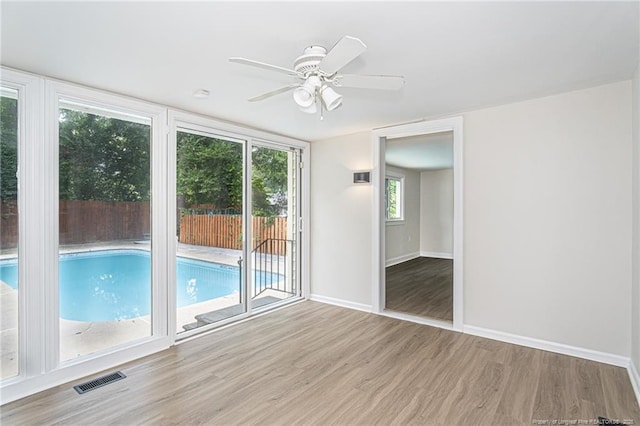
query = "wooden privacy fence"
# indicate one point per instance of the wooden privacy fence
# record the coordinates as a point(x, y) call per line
point(89, 221)
point(85, 221)
point(225, 231)
point(8, 224)
point(93, 221)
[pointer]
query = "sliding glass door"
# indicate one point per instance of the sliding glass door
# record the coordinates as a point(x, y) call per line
point(237, 213)
point(274, 224)
point(210, 229)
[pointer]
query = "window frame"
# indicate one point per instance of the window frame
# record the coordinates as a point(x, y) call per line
point(60, 95)
point(400, 178)
point(30, 98)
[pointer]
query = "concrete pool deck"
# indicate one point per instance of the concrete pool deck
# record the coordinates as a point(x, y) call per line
point(82, 338)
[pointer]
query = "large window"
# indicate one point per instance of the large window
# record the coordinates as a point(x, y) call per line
point(9, 233)
point(394, 197)
point(105, 229)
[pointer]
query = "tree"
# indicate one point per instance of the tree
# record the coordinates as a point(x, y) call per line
point(108, 159)
point(103, 158)
point(209, 171)
point(269, 181)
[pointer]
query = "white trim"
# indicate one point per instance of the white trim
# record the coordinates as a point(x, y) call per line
point(546, 345)
point(305, 213)
point(436, 255)
point(172, 228)
point(379, 137)
point(30, 96)
point(247, 229)
point(402, 259)
point(340, 302)
point(635, 379)
point(418, 319)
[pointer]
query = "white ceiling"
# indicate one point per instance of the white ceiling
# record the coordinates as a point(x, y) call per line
point(455, 56)
point(423, 152)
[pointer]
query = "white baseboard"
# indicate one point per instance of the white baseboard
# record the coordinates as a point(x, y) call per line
point(417, 319)
point(436, 255)
point(545, 345)
point(341, 302)
point(635, 379)
point(403, 258)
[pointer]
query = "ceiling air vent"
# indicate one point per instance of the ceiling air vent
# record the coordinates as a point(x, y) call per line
point(99, 382)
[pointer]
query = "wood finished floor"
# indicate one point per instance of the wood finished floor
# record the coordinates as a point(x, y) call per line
point(312, 363)
point(421, 286)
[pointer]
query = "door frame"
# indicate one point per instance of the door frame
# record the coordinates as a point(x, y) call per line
point(378, 140)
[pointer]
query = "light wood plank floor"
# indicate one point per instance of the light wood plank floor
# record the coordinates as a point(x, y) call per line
point(312, 363)
point(422, 286)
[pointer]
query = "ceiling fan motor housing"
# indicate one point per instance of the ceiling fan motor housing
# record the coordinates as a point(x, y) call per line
point(308, 62)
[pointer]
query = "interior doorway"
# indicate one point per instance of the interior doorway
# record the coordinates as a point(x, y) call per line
point(410, 251)
point(419, 225)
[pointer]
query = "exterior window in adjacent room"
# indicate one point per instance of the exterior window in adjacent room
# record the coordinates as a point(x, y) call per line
point(394, 197)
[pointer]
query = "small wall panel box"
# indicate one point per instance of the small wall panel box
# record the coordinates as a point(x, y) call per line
point(362, 176)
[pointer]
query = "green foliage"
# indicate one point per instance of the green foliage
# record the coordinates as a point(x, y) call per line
point(209, 171)
point(8, 148)
point(391, 198)
point(103, 158)
point(108, 159)
point(269, 181)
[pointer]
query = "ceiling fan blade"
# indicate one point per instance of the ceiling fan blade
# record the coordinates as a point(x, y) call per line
point(273, 93)
point(258, 64)
point(382, 82)
point(345, 51)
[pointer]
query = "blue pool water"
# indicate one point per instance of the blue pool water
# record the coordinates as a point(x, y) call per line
point(116, 284)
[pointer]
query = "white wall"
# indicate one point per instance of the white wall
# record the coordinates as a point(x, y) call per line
point(402, 240)
point(436, 213)
point(340, 221)
point(547, 218)
point(635, 325)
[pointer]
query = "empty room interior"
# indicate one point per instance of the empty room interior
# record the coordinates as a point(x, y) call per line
point(320, 213)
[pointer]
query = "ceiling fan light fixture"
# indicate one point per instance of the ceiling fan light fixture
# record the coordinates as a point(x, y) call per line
point(311, 109)
point(305, 95)
point(318, 68)
point(330, 98)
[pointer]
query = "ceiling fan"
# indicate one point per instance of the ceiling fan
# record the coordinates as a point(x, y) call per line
point(316, 70)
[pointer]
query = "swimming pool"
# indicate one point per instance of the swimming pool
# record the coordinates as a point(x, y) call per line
point(111, 285)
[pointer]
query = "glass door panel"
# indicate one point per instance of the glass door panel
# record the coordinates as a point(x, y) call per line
point(105, 221)
point(8, 233)
point(274, 218)
point(210, 197)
